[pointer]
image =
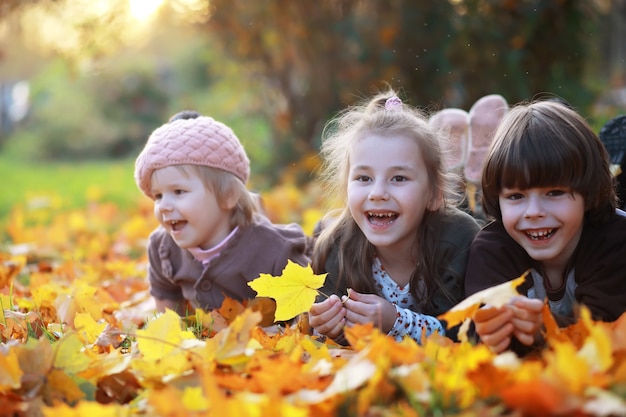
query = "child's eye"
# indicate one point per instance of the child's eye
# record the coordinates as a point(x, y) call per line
point(179, 192)
point(556, 193)
point(514, 196)
point(157, 196)
point(362, 178)
point(398, 178)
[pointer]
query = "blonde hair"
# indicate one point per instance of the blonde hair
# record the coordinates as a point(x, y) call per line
point(349, 126)
point(224, 184)
point(355, 252)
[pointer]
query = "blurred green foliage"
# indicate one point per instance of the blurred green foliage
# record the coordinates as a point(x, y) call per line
point(277, 71)
point(109, 111)
point(77, 117)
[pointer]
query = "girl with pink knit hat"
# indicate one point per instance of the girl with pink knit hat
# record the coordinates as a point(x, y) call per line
point(212, 238)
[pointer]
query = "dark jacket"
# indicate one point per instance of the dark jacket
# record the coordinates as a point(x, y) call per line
point(455, 231)
point(599, 264)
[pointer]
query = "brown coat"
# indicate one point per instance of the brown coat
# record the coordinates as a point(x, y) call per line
point(176, 275)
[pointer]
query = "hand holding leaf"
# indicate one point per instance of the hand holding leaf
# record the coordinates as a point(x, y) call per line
point(496, 296)
point(294, 291)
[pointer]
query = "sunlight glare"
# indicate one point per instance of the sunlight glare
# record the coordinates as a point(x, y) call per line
point(143, 9)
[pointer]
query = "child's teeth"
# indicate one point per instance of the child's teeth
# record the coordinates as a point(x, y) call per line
point(540, 234)
point(381, 214)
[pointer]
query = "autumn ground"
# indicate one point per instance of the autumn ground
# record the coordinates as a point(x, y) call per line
point(79, 337)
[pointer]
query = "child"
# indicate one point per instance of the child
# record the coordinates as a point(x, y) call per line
point(547, 184)
point(212, 238)
point(398, 245)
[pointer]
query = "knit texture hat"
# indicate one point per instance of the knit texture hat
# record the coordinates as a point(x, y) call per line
point(200, 141)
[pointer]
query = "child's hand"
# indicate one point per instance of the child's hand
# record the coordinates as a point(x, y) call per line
point(369, 308)
point(495, 327)
point(328, 317)
point(527, 319)
point(521, 318)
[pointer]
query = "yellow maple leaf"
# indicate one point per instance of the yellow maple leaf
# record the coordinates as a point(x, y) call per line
point(495, 296)
point(87, 329)
point(11, 374)
point(597, 349)
point(162, 336)
point(69, 354)
point(166, 349)
point(83, 408)
point(62, 387)
point(566, 368)
point(230, 344)
point(294, 291)
point(193, 399)
point(5, 304)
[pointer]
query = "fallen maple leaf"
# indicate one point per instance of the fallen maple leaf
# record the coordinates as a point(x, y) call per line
point(294, 291)
point(536, 398)
point(229, 345)
point(10, 267)
point(87, 329)
point(11, 372)
point(56, 361)
point(496, 296)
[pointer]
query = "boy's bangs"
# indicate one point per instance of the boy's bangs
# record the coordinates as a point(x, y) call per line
point(539, 163)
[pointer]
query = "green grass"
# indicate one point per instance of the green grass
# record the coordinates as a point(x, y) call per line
point(65, 185)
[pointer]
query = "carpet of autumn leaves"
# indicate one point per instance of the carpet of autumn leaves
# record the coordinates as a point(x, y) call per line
point(79, 337)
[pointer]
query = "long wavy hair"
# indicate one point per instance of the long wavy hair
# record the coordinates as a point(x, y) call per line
point(355, 252)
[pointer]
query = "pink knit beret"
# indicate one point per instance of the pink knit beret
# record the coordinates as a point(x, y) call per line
point(198, 141)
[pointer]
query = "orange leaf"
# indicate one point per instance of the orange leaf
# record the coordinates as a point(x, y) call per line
point(359, 335)
point(230, 309)
point(552, 327)
point(266, 306)
point(488, 378)
point(495, 296)
point(535, 398)
point(9, 268)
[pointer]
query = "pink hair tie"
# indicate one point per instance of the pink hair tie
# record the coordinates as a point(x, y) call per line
point(393, 103)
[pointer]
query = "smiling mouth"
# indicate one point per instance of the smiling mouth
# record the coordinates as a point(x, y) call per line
point(176, 225)
point(381, 218)
point(541, 234)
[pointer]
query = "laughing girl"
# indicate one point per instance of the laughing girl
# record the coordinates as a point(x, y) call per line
point(396, 253)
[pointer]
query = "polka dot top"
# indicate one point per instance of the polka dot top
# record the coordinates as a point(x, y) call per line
point(408, 321)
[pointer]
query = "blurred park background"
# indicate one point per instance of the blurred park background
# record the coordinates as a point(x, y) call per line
point(84, 82)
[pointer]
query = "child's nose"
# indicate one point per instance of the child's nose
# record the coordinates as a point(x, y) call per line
point(163, 205)
point(378, 191)
point(534, 207)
